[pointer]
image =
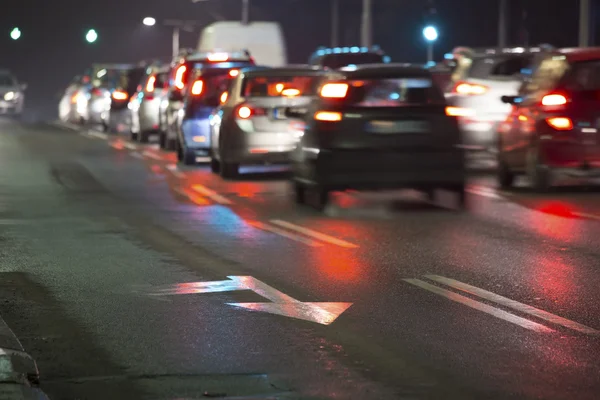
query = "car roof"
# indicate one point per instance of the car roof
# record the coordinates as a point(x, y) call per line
point(384, 70)
point(284, 71)
point(577, 54)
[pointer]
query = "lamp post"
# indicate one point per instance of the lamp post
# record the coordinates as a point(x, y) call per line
point(431, 35)
point(502, 19)
point(366, 29)
point(584, 23)
point(335, 22)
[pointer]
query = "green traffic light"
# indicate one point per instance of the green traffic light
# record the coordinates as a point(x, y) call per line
point(91, 36)
point(15, 33)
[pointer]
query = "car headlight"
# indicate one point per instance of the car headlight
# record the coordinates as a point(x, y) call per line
point(10, 96)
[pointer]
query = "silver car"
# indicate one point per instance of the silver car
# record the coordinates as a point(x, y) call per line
point(145, 118)
point(12, 94)
point(254, 123)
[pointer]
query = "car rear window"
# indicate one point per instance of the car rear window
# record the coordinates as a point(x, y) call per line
point(394, 92)
point(273, 86)
point(499, 67)
point(547, 75)
point(335, 61)
point(584, 76)
point(215, 82)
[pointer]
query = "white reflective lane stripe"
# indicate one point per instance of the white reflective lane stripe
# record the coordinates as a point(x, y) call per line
point(515, 305)
point(115, 146)
point(483, 192)
point(314, 234)
point(173, 169)
point(137, 155)
point(586, 215)
point(214, 196)
point(496, 312)
point(85, 135)
point(130, 146)
point(289, 235)
point(97, 134)
point(149, 154)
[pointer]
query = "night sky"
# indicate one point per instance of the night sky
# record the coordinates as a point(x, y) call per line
point(52, 49)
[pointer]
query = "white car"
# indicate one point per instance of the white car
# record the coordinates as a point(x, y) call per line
point(12, 94)
point(477, 85)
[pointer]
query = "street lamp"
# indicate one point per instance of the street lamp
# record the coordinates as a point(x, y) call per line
point(15, 33)
point(430, 34)
point(149, 21)
point(91, 36)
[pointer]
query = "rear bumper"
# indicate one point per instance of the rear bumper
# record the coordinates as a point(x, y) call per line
point(196, 133)
point(262, 155)
point(364, 170)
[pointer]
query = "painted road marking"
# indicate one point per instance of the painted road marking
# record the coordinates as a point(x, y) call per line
point(116, 145)
point(130, 146)
point(515, 305)
point(281, 304)
point(204, 191)
point(137, 155)
point(496, 312)
point(586, 215)
point(483, 191)
point(97, 134)
point(284, 233)
point(173, 169)
point(67, 125)
point(149, 154)
point(314, 234)
point(193, 197)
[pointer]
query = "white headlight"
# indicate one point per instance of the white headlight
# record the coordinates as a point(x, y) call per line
point(9, 96)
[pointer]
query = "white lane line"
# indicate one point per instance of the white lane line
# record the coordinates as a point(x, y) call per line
point(149, 154)
point(292, 236)
point(85, 135)
point(67, 125)
point(137, 155)
point(130, 146)
point(97, 134)
point(214, 196)
point(586, 215)
point(515, 305)
point(496, 312)
point(480, 191)
point(116, 145)
point(314, 234)
point(172, 168)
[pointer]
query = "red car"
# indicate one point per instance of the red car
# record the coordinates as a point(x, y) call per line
point(553, 128)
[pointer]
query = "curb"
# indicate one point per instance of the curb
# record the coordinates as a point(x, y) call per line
point(19, 375)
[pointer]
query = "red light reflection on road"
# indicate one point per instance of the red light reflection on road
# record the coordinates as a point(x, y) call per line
point(555, 220)
point(552, 277)
point(341, 265)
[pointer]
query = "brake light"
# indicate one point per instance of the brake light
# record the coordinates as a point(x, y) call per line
point(234, 72)
point(119, 95)
point(150, 84)
point(334, 90)
point(197, 87)
point(224, 97)
point(560, 123)
point(96, 92)
point(329, 116)
point(245, 112)
point(218, 57)
point(469, 88)
point(554, 100)
point(290, 92)
point(459, 112)
point(179, 77)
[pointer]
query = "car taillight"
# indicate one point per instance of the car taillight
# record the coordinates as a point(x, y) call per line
point(223, 98)
point(179, 77)
point(119, 95)
point(469, 88)
point(554, 99)
point(150, 84)
point(334, 90)
point(290, 92)
point(245, 112)
point(234, 72)
point(197, 87)
point(329, 116)
point(459, 112)
point(560, 123)
point(218, 57)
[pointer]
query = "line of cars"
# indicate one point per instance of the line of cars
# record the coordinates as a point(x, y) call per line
point(12, 94)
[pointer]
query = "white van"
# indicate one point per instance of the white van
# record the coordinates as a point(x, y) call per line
point(264, 40)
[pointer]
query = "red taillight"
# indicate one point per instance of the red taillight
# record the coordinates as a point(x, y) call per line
point(119, 95)
point(245, 112)
point(150, 84)
point(234, 72)
point(197, 88)
point(560, 123)
point(334, 90)
point(179, 77)
point(223, 98)
point(96, 92)
point(469, 88)
point(554, 100)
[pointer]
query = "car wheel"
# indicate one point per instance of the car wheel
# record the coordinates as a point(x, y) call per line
point(505, 176)
point(144, 136)
point(162, 140)
point(299, 193)
point(171, 144)
point(540, 176)
point(229, 170)
point(461, 196)
point(320, 198)
point(133, 136)
point(215, 165)
point(185, 155)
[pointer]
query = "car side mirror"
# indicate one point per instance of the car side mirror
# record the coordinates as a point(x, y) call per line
point(510, 99)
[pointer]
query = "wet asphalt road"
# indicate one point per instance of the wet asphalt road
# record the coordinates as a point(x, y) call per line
point(97, 236)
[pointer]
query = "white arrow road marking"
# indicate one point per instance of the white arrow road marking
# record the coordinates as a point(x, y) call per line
point(322, 313)
point(515, 305)
point(314, 234)
point(214, 196)
point(496, 312)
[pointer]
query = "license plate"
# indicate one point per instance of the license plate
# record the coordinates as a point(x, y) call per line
point(279, 113)
point(398, 127)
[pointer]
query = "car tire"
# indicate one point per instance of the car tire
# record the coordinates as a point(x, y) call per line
point(162, 140)
point(171, 144)
point(505, 176)
point(320, 198)
point(229, 170)
point(133, 136)
point(215, 166)
point(185, 155)
point(144, 136)
point(299, 193)
point(539, 175)
point(461, 197)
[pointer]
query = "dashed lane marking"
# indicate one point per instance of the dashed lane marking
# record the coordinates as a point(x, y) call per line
point(172, 168)
point(284, 233)
point(314, 234)
point(149, 154)
point(211, 194)
point(137, 155)
point(99, 135)
point(496, 312)
point(130, 146)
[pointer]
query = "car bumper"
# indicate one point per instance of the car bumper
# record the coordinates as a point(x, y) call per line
point(7, 108)
point(196, 133)
point(262, 155)
point(364, 170)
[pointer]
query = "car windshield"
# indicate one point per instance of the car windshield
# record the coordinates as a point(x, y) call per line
point(275, 86)
point(6, 80)
point(394, 92)
point(335, 61)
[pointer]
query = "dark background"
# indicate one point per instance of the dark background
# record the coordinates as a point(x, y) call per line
point(52, 48)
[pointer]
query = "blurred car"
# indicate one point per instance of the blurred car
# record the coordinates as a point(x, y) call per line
point(478, 82)
point(179, 77)
point(338, 57)
point(252, 126)
point(378, 127)
point(146, 105)
point(553, 128)
point(201, 97)
point(125, 100)
point(12, 94)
